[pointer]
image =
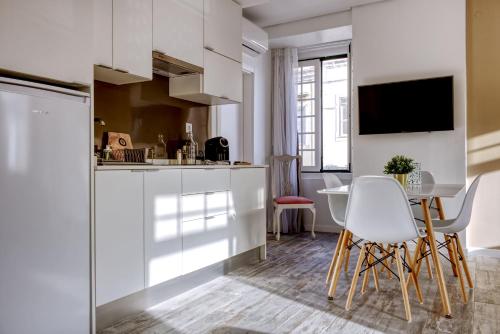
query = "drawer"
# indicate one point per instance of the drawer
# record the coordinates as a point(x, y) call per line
point(206, 224)
point(216, 203)
point(193, 207)
point(205, 241)
point(201, 205)
point(205, 180)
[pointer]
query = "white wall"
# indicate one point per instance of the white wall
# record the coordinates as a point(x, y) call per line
point(401, 40)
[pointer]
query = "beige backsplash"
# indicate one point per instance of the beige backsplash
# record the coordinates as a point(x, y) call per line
point(144, 110)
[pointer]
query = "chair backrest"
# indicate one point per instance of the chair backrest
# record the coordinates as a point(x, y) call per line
point(463, 218)
point(427, 177)
point(337, 203)
point(378, 210)
point(282, 169)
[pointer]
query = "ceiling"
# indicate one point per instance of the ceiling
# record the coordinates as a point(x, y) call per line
point(275, 12)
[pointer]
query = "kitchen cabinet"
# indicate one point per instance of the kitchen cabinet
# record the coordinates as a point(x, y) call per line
point(130, 23)
point(221, 83)
point(206, 233)
point(154, 225)
point(162, 225)
point(223, 28)
point(248, 208)
point(205, 180)
point(223, 77)
point(178, 29)
point(47, 39)
point(205, 221)
point(119, 234)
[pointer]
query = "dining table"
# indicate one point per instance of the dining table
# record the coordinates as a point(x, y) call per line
point(423, 193)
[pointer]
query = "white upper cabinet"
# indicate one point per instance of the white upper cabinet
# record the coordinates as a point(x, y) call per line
point(103, 33)
point(47, 38)
point(133, 37)
point(178, 29)
point(223, 77)
point(130, 25)
point(223, 22)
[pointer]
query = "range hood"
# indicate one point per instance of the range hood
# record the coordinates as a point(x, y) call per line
point(172, 67)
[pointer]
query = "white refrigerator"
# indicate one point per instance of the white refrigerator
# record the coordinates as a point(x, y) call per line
point(45, 276)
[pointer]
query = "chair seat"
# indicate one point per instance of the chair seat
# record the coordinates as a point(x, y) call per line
point(293, 200)
point(441, 226)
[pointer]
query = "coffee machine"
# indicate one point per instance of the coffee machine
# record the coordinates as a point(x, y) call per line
point(217, 149)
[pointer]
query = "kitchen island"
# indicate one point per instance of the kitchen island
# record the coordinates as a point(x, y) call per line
point(156, 225)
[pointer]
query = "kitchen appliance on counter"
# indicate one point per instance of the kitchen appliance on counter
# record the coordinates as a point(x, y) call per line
point(217, 149)
point(45, 204)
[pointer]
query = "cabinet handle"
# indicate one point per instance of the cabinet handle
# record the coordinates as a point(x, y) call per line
point(104, 66)
point(209, 192)
point(209, 48)
point(224, 97)
point(211, 217)
point(121, 70)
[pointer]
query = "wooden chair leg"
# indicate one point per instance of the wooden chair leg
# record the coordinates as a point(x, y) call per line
point(274, 221)
point(366, 278)
point(450, 247)
point(388, 262)
point(459, 271)
point(313, 211)
point(334, 257)
point(464, 262)
point(338, 265)
point(416, 257)
point(355, 277)
point(412, 275)
point(429, 268)
point(348, 255)
point(278, 222)
point(375, 278)
point(402, 282)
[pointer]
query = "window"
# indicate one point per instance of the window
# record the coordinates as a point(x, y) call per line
point(308, 115)
point(323, 117)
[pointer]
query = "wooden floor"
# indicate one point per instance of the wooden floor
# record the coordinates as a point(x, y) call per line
point(287, 294)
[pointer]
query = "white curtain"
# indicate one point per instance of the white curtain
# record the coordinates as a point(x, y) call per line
point(284, 118)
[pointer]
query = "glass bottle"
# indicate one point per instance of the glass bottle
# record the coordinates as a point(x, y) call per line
point(191, 149)
point(161, 148)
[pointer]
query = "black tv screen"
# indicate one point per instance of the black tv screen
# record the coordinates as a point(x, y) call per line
point(409, 106)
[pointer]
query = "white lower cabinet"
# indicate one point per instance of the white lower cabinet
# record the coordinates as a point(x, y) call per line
point(248, 208)
point(119, 234)
point(162, 225)
point(155, 225)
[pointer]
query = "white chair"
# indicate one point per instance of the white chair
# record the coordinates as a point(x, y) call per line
point(450, 228)
point(337, 205)
point(378, 210)
point(281, 165)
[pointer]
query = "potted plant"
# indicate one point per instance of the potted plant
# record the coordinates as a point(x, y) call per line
point(400, 166)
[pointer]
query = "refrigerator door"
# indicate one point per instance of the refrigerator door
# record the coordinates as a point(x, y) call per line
point(45, 211)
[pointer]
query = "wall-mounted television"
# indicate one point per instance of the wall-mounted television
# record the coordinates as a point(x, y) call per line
point(423, 105)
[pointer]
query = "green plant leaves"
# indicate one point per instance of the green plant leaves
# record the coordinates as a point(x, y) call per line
point(399, 164)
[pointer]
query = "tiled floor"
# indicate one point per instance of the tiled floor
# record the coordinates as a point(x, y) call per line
point(286, 294)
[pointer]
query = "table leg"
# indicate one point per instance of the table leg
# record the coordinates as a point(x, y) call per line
point(435, 257)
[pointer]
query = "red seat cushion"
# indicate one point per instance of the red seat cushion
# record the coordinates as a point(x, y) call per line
point(293, 200)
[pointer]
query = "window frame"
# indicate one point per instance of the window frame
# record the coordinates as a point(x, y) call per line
point(319, 150)
point(316, 63)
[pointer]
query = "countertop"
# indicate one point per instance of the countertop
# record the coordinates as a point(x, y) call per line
point(160, 167)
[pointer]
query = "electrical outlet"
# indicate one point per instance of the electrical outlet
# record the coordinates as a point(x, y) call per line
point(189, 127)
